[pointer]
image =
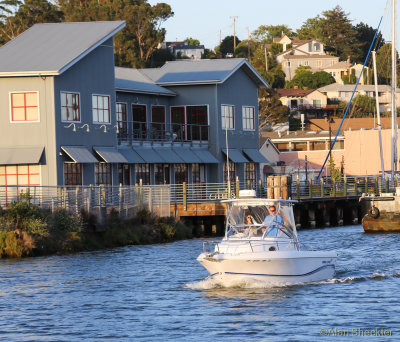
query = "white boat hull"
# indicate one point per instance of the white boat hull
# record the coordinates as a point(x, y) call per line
point(275, 267)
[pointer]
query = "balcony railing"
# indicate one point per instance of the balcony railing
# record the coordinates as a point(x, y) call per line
point(130, 131)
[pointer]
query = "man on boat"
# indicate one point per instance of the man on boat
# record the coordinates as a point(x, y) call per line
point(273, 222)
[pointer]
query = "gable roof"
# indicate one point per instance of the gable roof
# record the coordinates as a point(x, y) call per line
point(51, 49)
point(203, 71)
point(134, 81)
point(282, 92)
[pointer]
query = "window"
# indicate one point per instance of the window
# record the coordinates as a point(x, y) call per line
point(199, 173)
point(339, 145)
point(142, 173)
point(317, 103)
point(250, 174)
point(18, 176)
point(122, 121)
point(317, 47)
point(227, 114)
point(72, 174)
point(181, 173)
point(305, 62)
point(282, 147)
point(103, 173)
point(139, 118)
point(124, 174)
point(332, 63)
point(319, 63)
point(299, 146)
point(70, 107)
point(101, 109)
point(197, 122)
point(178, 122)
point(317, 146)
point(288, 64)
point(158, 122)
point(24, 106)
point(248, 118)
point(232, 172)
point(300, 63)
point(309, 46)
point(161, 173)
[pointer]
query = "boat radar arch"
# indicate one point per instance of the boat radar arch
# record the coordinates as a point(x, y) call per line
point(247, 194)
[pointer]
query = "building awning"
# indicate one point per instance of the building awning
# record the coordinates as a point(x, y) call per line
point(148, 155)
point(80, 154)
point(205, 156)
point(110, 154)
point(168, 155)
point(20, 155)
point(268, 169)
point(235, 156)
point(131, 156)
point(187, 155)
point(255, 155)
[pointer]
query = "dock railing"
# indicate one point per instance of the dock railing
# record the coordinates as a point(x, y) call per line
point(158, 198)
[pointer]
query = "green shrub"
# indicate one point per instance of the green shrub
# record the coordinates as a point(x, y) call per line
point(64, 221)
point(167, 231)
point(22, 210)
point(14, 247)
point(36, 227)
point(182, 231)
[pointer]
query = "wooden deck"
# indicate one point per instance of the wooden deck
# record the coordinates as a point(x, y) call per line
point(198, 209)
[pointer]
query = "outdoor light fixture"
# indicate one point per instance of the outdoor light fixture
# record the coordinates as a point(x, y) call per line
point(71, 124)
point(87, 127)
point(105, 128)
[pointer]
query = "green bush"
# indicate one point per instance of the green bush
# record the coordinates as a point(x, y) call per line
point(183, 231)
point(36, 227)
point(64, 221)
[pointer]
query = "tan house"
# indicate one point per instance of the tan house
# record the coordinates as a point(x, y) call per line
point(303, 53)
point(300, 98)
point(341, 69)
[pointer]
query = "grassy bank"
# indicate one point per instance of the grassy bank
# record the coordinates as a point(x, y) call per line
point(26, 230)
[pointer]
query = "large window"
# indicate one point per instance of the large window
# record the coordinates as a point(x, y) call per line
point(198, 173)
point(70, 107)
point(250, 174)
point(228, 117)
point(72, 174)
point(158, 122)
point(103, 173)
point(181, 173)
point(178, 122)
point(161, 173)
point(232, 172)
point(124, 175)
point(101, 109)
point(122, 120)
point(139, 122)
point(142, 173)
point(24, 106)
point(197, 120)
point(248, 118)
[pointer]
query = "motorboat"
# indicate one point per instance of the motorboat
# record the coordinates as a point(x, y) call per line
point(261, 243)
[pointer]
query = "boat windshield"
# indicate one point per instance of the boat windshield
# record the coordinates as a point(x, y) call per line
point(260, 219)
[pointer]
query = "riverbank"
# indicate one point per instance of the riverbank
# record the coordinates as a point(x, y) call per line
point(26, 230)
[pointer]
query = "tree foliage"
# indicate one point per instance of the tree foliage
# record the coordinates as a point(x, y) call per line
point(271, 110)
point(266, 33)
point(305, 79)
point(227, 45)
point(192, 41)
point(365, 35)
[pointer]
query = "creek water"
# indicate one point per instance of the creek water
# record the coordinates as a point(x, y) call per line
point(161, 293)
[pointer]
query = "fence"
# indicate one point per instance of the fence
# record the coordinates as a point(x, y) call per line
point(158, 198)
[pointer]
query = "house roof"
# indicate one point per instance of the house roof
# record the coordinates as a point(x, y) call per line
point(293, 92)
point(204, 71)
point(350, 87)
point(188, 47)
point(310, 56)
point(134, 81)
point(339, 65)
point(301, 135)
point(51, 49)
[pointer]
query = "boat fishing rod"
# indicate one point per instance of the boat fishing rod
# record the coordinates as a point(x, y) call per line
point(352, 95)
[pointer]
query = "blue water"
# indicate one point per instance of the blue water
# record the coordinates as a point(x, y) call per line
point(158, 293)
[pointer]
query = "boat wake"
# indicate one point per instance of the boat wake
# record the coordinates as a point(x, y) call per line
point(216, 283)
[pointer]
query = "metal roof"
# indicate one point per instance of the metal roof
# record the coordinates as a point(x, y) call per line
point(51, 49)
point(79, 154)
point(255, 155)
point(110, 154)
point(134, 81)
point(235, 155)
point(205, 156)
point(187, 155)
point(148, 155)
point(203, 71)
point(168, 155)
point(20, 155)
point(131, 156)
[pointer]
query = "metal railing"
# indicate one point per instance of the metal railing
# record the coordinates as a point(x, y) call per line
point(158, 198)
point(129, 131)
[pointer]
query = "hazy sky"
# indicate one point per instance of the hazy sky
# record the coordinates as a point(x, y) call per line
point(203, 19)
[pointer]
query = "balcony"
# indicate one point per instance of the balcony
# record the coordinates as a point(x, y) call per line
point(130, 131)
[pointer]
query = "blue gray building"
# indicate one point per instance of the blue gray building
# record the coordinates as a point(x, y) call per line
point(70, 117)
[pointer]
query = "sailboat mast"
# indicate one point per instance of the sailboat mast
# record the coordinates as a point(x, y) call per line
point(378, 114)
point(394, 111)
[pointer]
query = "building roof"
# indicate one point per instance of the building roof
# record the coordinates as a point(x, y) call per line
point(134, 81)
point(350, 87)
point(188, 47)
point(204, 71)
point(310, 56)
point(51, 49)
point(301, 135)
point(339, 65)
point(293, 92)
point(351, 123)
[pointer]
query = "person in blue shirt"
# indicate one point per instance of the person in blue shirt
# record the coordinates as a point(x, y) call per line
point(273, 222)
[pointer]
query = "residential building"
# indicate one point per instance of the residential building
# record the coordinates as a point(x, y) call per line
point(69, 117)
point(183, 49)
point(340, 69)
point(298, 99)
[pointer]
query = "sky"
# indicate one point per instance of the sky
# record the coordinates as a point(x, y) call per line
point(204, 19)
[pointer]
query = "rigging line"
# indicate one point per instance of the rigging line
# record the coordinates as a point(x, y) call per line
point(348, 106)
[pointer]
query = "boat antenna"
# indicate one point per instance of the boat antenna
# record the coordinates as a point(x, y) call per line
point(394, 109)
point(227, 158)
point(352, 95)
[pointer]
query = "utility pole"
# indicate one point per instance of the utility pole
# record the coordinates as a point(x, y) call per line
point(266, 58)
point(234, 32)
point(220, 37)
point(248, 44)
